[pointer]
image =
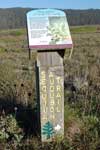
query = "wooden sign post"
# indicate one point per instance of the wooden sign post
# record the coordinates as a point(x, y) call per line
point(49, 34)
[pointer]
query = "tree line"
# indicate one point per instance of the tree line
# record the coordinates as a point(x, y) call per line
point(11, 18)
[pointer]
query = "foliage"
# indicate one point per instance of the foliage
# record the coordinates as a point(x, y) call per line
point(9, 129)
point(16, 17)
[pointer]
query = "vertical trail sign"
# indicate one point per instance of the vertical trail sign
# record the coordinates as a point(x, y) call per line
point(48, 33)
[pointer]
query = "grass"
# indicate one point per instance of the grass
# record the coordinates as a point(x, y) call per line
point(85, 29)
point(82, 89)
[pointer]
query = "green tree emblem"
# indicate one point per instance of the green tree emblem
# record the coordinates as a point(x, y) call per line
point(48, 130)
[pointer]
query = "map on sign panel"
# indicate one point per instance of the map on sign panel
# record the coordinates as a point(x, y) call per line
point(48, 29)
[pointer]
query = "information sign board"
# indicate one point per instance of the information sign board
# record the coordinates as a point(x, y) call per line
point(48, 29)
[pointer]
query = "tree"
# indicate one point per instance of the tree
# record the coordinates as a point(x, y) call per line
point(48, 130)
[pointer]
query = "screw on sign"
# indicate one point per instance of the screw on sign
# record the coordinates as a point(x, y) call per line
point(49, 35)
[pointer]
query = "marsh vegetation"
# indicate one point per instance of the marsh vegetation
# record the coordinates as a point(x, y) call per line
point(18, 107)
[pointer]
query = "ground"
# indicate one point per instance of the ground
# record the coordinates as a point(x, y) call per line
point(82, 86)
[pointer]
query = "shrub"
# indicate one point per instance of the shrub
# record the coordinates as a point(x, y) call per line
point(9, 129)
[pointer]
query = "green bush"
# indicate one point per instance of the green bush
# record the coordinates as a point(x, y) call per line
point(9, 129)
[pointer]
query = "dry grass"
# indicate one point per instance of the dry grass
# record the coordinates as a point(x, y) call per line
point(82, 82)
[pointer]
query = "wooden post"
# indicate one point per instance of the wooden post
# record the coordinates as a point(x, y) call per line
point(51, 93)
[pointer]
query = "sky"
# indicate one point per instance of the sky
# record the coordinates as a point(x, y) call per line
point(67, 4)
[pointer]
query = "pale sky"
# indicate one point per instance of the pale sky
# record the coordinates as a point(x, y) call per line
point(67, 4)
